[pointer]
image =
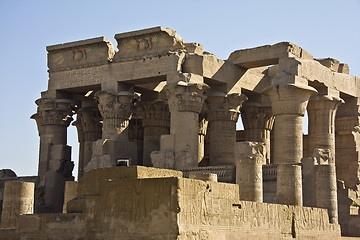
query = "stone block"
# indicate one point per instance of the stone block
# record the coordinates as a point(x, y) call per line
point(92, 181)
point(163, 159)
point(167, 142)
point(212, 177)
point(70, 193)
point(147, 42)
point(18, 200)
point(79, 54)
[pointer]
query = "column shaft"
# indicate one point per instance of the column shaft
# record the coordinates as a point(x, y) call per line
point(185, 103)
point(289, 97)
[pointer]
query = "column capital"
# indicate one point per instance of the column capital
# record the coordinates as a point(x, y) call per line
point(324, 102)
point(53, 111)
point(154, 114)
point(225, 107)
point(116, 108)
point(288, 98)
point(116, 104)
point(90, 123)
point(257, 116)
point(186, 96)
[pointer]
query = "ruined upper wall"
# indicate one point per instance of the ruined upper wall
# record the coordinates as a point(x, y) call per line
point(159, 54)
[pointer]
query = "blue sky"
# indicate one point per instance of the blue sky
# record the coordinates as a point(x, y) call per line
point(324, 28)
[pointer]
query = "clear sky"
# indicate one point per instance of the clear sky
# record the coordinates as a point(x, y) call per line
point(328, 28)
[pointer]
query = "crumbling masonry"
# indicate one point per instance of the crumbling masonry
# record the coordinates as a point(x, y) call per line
point(169, 110)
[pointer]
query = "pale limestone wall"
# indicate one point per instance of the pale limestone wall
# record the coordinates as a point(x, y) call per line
point(124, 207)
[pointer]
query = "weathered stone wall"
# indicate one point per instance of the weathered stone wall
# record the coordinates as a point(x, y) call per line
point(125, 207)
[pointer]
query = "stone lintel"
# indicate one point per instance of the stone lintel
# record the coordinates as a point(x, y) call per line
point(148, 42)
point(267, 55)
point(90, 52)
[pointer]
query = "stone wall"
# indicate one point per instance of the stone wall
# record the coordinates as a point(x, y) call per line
point(124, 203)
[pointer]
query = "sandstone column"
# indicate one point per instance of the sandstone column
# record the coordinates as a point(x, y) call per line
point(116, 109)
point(55, 166)
point(155, 117)
point(223, 114)
point(325, 185)
point(249, 160)
point(89, 130)
point(258, 122)
point(289, 96)
point(18, 200)
point(185, 101)
point(321, 112)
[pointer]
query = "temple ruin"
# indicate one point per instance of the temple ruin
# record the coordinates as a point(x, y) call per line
point(160, 156)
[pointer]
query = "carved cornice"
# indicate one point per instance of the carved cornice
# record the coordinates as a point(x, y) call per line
point(186, 97)
point(52, 111)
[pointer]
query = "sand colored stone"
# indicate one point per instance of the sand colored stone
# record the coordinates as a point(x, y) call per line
point(159, 101)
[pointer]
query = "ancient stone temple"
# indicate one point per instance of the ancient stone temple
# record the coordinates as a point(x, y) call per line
point(160, 156)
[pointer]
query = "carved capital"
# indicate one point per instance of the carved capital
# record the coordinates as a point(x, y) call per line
point(154, 113)
point(89, 120)
point(288, 98)
point(256, 116)
point(186, 97)
point(115, 105)
point(225, 107)
point(116, 109)
point(52, 111)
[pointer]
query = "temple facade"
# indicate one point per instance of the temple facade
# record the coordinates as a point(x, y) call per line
point(159, 103)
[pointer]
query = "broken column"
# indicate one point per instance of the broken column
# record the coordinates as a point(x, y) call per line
point(116, 109)
point(223, 114)
point(185, 99)
point(89, 130)
point(18, 200)
point(55, 166)
point(258, 122)
point(289, 96)
point(155, 118)
point(250, 156)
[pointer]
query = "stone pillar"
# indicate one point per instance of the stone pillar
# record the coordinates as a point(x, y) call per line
point(18, 200)
point(325, 185)
point(289, 97)
point(249, 160)
point(89, 130)
point(223, 114)
point(321, 112)
point(347, 140)
point(116, 109)
point(155, 117)
point(185, 101)
point(55, 166)
point(258, 122)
